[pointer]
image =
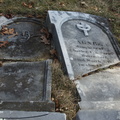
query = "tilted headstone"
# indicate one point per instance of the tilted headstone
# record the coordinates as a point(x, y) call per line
point(26, 86)
point(18, 115)
point(84, 42)
point(23, 40)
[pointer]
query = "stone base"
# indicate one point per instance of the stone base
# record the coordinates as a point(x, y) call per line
point(16, 115)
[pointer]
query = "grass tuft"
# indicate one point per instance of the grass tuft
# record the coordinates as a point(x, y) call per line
point(63, 92)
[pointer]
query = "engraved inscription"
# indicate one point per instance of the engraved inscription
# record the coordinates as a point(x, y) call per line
point(88, 53)
point(93, 52)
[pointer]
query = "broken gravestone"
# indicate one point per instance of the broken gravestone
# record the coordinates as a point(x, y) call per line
point(18, 115)
point(100, 90)
point(84, 42)
point(23, 39)
point(26, 86)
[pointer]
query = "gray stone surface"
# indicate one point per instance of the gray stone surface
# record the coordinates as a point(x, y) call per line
point(27, 44)
point(83, 41)
point(101, 86)
point(99, 105)
point(26, 86)
point(98, 115)
point(18, 115)
point(3, 20)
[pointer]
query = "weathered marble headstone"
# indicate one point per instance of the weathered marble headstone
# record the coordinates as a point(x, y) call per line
point(84, 42)
point(25, 43)
point(18, 115)
point(26, 86)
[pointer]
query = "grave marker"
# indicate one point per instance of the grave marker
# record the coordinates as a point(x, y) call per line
point(25, 42)
point(25, 115)
point(83, 41)
point(26, 86)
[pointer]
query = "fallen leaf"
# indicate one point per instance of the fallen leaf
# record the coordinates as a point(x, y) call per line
point(53, 52)
point(7, 31)
point(15, 34)
point(3, 43)
point(44, 40)
point(61, 4)
point(84, 4)
point(8, 16)
point(0, 63)
point(24, 4)
point(29, 5)
point(45, 31)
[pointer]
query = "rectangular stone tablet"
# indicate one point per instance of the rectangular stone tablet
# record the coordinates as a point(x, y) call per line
point(18, 115)
point(26, 86)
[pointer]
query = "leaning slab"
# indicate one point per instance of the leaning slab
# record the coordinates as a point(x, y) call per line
point(24, 42)
point(101, 86)
point(18, 115)
point(26, 86)
point(98, 115)
point(84, 42)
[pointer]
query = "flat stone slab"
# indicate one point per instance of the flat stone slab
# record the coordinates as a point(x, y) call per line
point(101, 86)
point(98, 115)
point(84, 42)
point(27, 44)
point(26, 86)
point(99, 105)
point(18, 115)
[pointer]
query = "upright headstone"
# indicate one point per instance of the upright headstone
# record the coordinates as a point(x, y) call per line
point(26, 86)
point(22, 39)
point(84, 42)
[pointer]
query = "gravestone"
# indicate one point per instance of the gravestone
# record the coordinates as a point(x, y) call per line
point(101, 86)
point(98, 115)
point(18, 115)
point(26, 86)
point(84, 42)
point(25, 42)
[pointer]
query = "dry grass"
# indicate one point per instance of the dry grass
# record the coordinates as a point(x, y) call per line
point(63, 92)
point(106, 8)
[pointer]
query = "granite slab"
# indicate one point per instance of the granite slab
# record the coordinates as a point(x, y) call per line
point(25, 115)
point(26, 86)
point(101, 86)
point(98, 115)
point(83, 41)
point(99, 105)
point(25, 43)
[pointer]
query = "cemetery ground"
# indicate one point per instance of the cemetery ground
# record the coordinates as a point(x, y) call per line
point(66, 100)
